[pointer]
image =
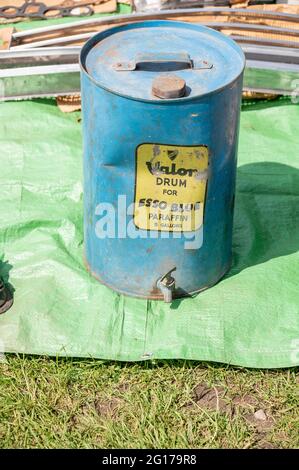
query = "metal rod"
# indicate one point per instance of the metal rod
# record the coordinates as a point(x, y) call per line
point(39, 70)
point(39, 52)
point(240, 39)
point(112, 19)
point(63, 79)
point(269, 68)
point(271, 54)
point(254, 28)
point(265, 41)
point(231, 26)
point(41, 81)
point(195, 3)
point(267, 65)
point(64, 53)
point(41, 56)
point(267, 77)
point(54, 41)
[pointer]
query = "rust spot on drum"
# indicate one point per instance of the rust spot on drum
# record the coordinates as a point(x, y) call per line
point(156, 293)
point(112, 52)
point(156, 150)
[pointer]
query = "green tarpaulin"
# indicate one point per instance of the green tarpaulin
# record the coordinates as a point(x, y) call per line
point(250, 318)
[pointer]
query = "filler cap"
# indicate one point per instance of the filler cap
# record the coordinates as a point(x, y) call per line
point(169, 86)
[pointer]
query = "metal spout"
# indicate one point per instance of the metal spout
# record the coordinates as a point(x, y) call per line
point(166, 284)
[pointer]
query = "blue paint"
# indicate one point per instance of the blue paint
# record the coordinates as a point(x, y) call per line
point(120, 113)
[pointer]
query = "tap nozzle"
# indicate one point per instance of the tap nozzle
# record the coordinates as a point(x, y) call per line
point(166, 284)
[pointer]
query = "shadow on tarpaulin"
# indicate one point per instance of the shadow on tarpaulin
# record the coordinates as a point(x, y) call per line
point(266, 219)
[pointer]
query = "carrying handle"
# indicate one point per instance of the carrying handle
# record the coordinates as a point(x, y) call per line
point(179, 59)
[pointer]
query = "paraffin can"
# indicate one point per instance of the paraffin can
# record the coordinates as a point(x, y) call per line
point(161, 106)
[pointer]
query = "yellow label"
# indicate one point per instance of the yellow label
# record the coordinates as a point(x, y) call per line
point(170, 187)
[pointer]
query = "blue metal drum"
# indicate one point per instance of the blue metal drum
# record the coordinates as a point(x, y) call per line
point(161, 105)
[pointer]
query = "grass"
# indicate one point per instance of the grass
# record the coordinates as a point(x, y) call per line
point(69, 403)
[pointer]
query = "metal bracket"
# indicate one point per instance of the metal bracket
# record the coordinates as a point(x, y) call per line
point(201, 65)
point(124, 66)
